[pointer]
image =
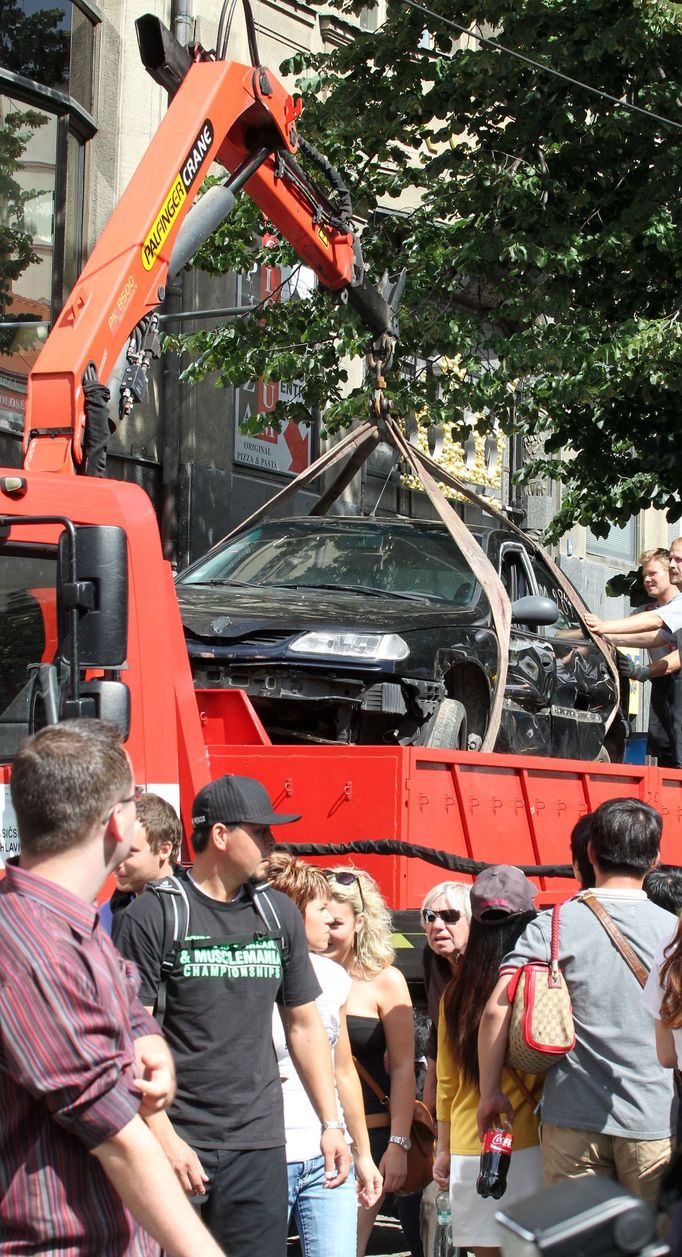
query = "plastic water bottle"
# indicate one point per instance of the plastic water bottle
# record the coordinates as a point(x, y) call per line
point(443, 1242)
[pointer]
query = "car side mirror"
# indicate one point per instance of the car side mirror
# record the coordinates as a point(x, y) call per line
point(535, 610)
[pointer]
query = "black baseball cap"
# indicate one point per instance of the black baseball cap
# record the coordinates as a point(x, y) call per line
point(234, 800)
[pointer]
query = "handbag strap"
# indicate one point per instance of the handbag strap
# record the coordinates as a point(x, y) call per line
point(554, 945)
point(373, 1086)
point(525, 1091)
point(617, 938)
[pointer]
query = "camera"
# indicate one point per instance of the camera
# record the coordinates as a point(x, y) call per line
point(585, 1217)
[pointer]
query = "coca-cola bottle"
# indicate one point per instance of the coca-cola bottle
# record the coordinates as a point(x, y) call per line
point(495, 1158)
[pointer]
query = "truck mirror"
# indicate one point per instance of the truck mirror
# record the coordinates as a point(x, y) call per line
point(111, 703)
point(534, 610)
point(99, 594)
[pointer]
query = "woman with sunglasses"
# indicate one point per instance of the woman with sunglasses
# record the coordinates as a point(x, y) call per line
point(380, 1023)
point(502, 904)
point(446, 918)
point(326, 1218)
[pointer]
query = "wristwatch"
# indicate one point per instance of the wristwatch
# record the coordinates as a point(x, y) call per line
point(402, 1141)
point(333, 1126)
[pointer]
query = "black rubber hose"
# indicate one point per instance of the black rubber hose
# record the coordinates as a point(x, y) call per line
point(390, 846)
point(331, 173)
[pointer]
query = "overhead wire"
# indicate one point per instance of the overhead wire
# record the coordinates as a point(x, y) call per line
point(538, 65)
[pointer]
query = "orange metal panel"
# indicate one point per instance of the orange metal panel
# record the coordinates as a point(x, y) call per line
point(342, 794)
point(228, 718)
point(492, 808)
point(666, 795)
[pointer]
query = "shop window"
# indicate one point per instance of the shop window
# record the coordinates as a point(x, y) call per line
point(51, 43)
point(45, 49)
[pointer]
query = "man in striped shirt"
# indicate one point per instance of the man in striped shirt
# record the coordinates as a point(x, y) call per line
point(81, 1062)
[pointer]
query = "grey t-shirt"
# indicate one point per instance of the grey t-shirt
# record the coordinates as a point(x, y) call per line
point(611, 1082)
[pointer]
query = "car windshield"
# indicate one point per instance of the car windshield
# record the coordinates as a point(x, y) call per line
point(419, 559)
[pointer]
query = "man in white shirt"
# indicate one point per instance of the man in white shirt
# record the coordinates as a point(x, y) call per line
point(657, 629)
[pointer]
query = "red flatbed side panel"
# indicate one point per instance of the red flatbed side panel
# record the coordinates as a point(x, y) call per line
point(501, 809)
point(229, 717)
point(343, 794)
point(666, 794)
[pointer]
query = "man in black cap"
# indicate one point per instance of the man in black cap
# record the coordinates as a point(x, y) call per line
point(237, 949)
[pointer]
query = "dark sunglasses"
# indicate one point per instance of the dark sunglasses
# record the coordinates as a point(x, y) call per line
point(345, 879)
point(449, 916)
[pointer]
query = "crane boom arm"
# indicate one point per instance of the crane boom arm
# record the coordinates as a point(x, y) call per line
point(222, 111)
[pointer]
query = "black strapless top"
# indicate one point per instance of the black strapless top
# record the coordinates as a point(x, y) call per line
point(368, 1041)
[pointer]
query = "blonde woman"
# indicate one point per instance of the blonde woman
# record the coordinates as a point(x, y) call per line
point(380, 1025)
point(326, 1217)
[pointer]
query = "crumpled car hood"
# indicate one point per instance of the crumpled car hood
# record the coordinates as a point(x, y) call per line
point(230, 611)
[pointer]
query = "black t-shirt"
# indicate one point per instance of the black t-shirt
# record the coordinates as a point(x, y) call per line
point(218, 1021)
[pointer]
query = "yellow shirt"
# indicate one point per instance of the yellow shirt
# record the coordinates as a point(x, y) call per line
point(457, 1101)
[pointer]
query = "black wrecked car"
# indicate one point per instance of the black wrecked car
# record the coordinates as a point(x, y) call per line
point(353, 630)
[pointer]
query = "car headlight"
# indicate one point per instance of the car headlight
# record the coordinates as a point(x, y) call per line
point(351, 645)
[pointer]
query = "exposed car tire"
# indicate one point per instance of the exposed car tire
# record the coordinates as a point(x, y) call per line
point(449, 729)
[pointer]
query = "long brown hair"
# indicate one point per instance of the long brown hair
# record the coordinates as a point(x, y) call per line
point(671, 981)
point(470, 988)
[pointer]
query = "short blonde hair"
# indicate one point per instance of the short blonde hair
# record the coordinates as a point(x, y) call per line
point(373, 948)
point(456, 895)
point(654, 556)
point(303, 883)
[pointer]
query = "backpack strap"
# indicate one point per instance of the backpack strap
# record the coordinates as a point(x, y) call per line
point(258, 894)
point(172, 896)
point(618, 939)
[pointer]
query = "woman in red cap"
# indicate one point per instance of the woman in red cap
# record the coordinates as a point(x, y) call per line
point(502, 904)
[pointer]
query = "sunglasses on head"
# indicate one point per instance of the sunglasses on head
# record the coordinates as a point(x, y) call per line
point(449, 916)
point(343, 878)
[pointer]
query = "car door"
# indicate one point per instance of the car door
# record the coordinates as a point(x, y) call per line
point(584, 690)
point(526, 726)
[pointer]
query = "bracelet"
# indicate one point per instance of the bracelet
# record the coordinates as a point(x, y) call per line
point(333, 1126)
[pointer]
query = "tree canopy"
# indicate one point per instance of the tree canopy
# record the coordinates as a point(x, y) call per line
point(539, 224)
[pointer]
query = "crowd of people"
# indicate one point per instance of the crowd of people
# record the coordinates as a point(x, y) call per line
point(241, 1057)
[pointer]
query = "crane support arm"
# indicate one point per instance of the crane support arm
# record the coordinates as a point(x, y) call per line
point(221, 111)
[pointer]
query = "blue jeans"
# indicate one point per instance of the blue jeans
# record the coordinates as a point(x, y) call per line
point(326, 1217)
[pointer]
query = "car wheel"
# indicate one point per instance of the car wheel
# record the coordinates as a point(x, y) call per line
point(449, 728)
